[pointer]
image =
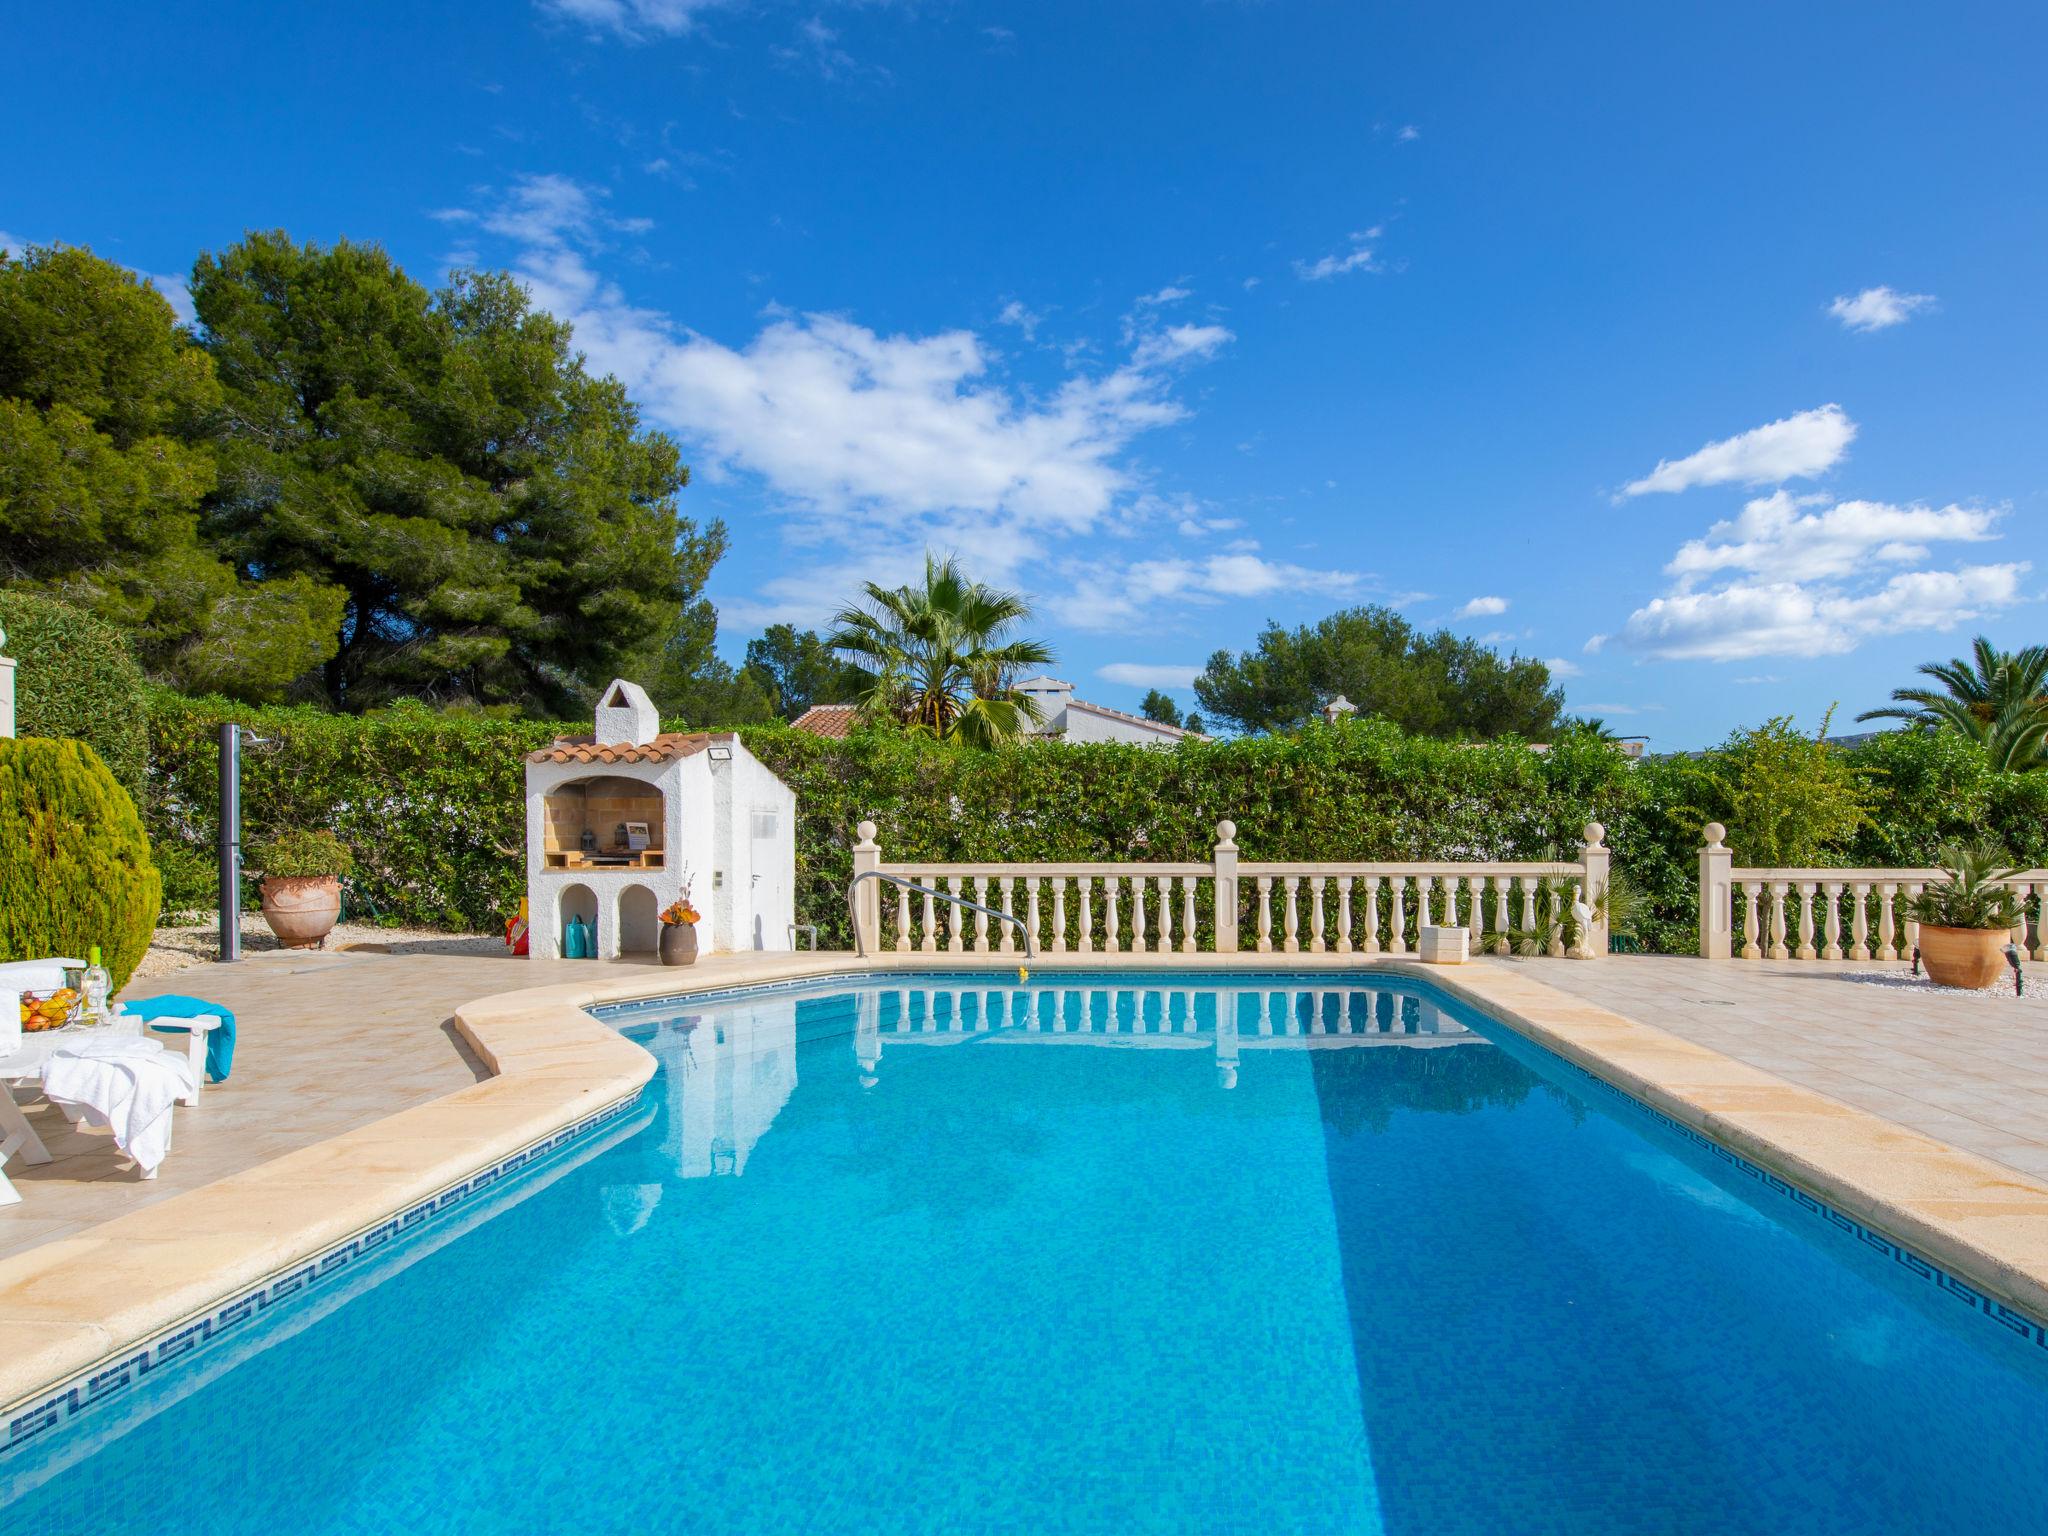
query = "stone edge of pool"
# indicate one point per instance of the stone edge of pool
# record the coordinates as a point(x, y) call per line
point(76, 1304)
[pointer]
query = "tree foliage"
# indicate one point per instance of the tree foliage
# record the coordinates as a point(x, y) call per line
point(1997, 699)
point(104, 403)
point(940, 657)
point(76, 678)
point(496, 522)
point(1788, 800)
point(1437, 684)
point(75, 869)
point(799, 668)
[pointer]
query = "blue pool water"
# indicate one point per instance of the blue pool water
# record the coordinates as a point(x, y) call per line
point(1093, 1256)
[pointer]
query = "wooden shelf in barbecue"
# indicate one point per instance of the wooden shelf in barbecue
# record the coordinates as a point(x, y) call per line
point(598, 863)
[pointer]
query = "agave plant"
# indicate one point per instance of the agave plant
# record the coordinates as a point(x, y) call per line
point(940, 656)
point(1971, 896)
point(1997, 698)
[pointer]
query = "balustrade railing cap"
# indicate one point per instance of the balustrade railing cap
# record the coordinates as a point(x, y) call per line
point(1714, 832)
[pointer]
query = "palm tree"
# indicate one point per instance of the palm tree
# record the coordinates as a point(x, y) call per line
point(939, 656)
point(1997, 698)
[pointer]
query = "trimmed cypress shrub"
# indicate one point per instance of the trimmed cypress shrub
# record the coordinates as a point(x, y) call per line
point(77, 677)
point(74, 864)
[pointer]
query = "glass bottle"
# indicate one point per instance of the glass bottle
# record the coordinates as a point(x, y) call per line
point(96, 986)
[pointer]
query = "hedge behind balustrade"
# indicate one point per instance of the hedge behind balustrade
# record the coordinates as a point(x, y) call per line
point(431, 804)
point(77, 677)
point(75, 869)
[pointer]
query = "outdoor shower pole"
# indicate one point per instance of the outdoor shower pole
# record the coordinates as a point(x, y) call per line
point(230, 841)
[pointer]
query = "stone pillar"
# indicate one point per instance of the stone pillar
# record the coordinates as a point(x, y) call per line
point(867, 900)
point(1717, 896)
point(1598, 860)
point(1226, 887)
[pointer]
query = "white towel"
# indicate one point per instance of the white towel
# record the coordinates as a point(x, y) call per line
point(125, 1085)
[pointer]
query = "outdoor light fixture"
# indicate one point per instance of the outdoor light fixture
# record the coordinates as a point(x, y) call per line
point(720, 754)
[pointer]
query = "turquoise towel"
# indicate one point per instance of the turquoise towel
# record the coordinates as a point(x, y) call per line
point(220, 1045)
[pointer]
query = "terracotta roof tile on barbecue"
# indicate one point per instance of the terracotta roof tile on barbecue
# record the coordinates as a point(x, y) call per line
point(834, 720)
point(668, 747)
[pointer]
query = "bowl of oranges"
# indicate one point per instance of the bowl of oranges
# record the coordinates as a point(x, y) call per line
point(51, 1012)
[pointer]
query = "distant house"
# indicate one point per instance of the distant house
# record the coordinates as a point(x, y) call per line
point(1061, 717)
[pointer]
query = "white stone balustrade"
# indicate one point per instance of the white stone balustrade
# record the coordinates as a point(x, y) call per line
point(1222, 904)
point(1830, 914)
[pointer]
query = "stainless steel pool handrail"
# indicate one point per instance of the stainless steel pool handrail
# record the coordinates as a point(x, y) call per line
point(860, 939)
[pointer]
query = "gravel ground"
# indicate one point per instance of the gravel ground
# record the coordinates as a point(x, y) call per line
point(180, 948)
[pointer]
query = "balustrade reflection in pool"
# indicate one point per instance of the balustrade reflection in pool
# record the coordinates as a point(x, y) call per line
point(731, 1071)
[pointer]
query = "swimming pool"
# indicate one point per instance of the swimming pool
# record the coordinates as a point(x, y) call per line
point(1098, 1253)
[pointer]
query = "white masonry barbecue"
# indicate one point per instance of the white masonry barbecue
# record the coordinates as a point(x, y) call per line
point(622, 823)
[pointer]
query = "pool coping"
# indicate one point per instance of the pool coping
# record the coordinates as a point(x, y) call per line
point(74, 1306)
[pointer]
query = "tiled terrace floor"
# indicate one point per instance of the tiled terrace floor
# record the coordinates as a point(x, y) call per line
point(1968, 1068)
point(333, 1041)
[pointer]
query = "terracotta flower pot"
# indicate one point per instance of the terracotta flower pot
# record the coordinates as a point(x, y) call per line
point(678, 943)
point(1963, 957)
point(301, 909)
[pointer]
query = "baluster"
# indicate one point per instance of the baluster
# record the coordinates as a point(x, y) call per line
point(981, 918)
point(1087, 921)
point(2041, 920)
point(1806, 950)
point(1425, 904)
point(1859, 921)
point(1752, 949)
point(1265, 914)
point(1475, 894)
point(1187, 918)
point(1502, 922)
point(955, 918)
point(1554, 922)
point(1886, 949)
point(1344, 914)
point(1397, 921)
point(903, 917)
point(1528, 883)
point(1778, 889)
point(1911, 892)
point(1165, 944)
point(1112, 925)
point(930, 941)
point(1137, 914)
point(1059, 913)
point(1293, 941)
point(1009, 945)
point(1834, 923)
point(1315, 921)
point(1372, 914)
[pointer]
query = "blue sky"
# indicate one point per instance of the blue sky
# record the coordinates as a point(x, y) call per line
point(1696, 347)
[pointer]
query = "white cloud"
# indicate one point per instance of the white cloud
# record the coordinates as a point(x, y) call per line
point(1876, 309)
point(1797, 447)
point(1409, 133)
point(633, 20)
point(1136, 674)
point(1594, 645)
point(1358, 258)
point(1110, 598)
point(1800, 538)
point(545, 213)
point(877, 445)
point(1748, 619)
point(1611, 709)
point(1560, 667)
point(1754, 680)
point(1170, 294)
point(1025, 320)
point(1482, 607)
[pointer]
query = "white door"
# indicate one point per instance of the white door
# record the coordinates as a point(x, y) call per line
point(772, 901)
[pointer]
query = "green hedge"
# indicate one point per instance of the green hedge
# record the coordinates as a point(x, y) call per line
point(77, 677)
point(431, 804)
point(75, 869)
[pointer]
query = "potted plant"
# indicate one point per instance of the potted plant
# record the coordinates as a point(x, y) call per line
point(302, 873)
point(1966, 921)
point(679, 931)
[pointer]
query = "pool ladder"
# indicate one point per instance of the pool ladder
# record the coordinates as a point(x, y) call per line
point(860, 940)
